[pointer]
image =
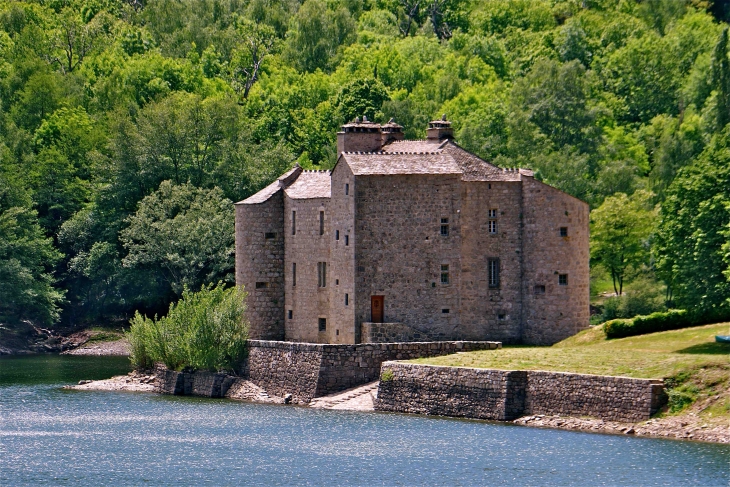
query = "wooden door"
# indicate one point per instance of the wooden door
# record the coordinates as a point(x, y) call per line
point(376, 308)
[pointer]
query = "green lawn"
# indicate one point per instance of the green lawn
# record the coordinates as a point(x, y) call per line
point(655, 356)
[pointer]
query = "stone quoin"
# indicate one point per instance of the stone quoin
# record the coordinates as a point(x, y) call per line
point(415, 240)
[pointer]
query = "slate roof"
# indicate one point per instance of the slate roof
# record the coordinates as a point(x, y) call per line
point(310, 184)
point(384, 163)
point(396, 158)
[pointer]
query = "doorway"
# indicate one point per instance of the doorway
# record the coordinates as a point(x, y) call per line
point(377, 304)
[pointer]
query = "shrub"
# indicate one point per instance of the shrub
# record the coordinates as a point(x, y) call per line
point(640, 325)
point(387, 375)
point(204, 330)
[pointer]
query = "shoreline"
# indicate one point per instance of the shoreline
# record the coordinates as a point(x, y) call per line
point(686, 427)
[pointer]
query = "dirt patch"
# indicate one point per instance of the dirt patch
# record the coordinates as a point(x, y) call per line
point(118, 347)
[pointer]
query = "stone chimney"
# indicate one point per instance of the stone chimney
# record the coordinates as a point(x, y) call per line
point(440, 129)
point(391, 131)
point(360, 136)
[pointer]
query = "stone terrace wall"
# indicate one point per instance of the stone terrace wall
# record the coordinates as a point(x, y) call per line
point(504, 395)
point(308, 370)
point(452, 391)
point(391, 333)
point(282, 368)
point(615, 398)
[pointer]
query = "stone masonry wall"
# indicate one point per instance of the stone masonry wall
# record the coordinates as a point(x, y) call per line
point(616, 398)
point(261, 260)
point(306, 248)
point(451, 391)
point(392, 333)
point(400, 251)
point(308, 370)
point(561, 310)
point(505, 395)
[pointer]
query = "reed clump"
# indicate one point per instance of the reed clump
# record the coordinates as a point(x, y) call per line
point(204, 330)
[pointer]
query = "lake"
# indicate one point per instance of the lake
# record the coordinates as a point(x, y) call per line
point(50, 436)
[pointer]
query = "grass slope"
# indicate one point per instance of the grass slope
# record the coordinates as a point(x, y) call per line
point(694, 366)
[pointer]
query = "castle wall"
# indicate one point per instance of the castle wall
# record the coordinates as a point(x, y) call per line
point(562, 310)
point(491, 313)
point(400, 251)
point(307, 301)
point(261, 260)
point(342, 257)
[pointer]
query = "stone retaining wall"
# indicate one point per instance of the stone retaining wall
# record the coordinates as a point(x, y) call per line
point(391, 333)
point(199, 383)
point(506, 395)
point(307, 370)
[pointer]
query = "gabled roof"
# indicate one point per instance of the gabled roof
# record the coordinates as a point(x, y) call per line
point(310, 184)
point(281, 182)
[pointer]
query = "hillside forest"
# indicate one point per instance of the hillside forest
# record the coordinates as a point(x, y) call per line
point(128, 128)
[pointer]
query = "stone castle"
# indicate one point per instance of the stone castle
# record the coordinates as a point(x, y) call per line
point(412, 240)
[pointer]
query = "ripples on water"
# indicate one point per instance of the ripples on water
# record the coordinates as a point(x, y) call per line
point(55, 437)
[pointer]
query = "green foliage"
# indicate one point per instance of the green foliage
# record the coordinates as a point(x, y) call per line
point(620, 229)
point(361, 97)
point(182, 233)
point(205, 330)
point(641, 325)
point(387, 375)
point(27, 258)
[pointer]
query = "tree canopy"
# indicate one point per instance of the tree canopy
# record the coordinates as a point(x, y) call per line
point(106, 103)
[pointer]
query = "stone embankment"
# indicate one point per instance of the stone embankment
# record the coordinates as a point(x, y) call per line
point(506, 395)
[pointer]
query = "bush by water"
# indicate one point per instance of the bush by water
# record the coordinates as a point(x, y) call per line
point(205, 330)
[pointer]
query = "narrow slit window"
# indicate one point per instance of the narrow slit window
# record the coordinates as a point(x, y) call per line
point(347, 240)
point(347, 189)
point(563, 279)
point(493, 277)
point(291, 314)
point(323, 324)
point(347, 299)
point(444, 273)
point(322, 274)
point(445, 227)
point(293, 274)
point(321, 222)
point(293, 222)
point(337, 234)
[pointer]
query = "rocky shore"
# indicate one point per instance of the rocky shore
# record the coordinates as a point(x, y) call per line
point(684, 427)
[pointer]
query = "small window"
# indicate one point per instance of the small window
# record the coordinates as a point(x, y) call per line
point(337, 234)
point(293, 274)
point(445, 310)
point(269, 236)
point(291, 314)
point(539, 289)
point(293, 222)
point(501, 316)
point(337, 332)
point(262, 285)
point(489, 186)
point(347, 240)
point(323, 324)
point(347, 189)
point(337, 282)
point(321, 222)
point(563, 231)
point(493, 213)
point(493, 267)
point(445, 227)
point(444, 273)
point(563, 279)
point(347, 299)
point(322, 274)
point(492, 226)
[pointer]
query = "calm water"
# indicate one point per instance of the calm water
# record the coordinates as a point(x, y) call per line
point(57, 437)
